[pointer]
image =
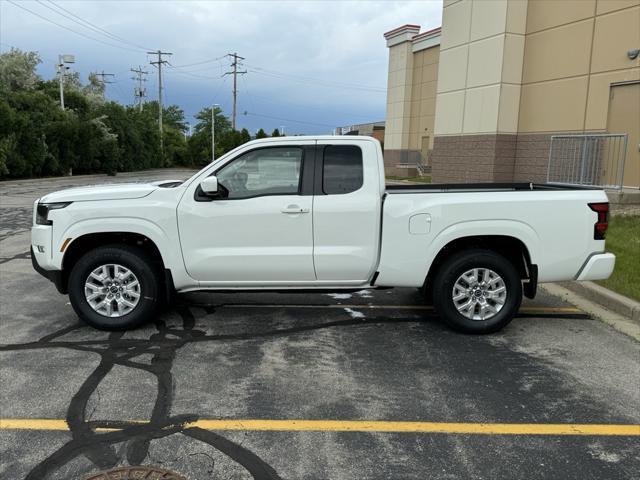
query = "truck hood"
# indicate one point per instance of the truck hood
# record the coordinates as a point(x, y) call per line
point(119, 191)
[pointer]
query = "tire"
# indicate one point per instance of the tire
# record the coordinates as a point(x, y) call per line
point(481, 306)
point(141, 288)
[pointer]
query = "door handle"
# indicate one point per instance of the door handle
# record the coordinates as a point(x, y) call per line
point(293, 209)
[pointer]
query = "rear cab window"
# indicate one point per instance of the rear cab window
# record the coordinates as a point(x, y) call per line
point(342, 169)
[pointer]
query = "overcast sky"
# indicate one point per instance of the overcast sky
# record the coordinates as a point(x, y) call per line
point(320, 62)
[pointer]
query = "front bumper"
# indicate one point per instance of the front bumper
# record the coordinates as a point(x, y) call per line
point(42, 257)
point(55, 276)
point(597, 267)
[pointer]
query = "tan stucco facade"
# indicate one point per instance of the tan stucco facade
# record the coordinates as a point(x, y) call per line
point(480, 67)
point(411, 98)
point(513, 72)
point(574, 51)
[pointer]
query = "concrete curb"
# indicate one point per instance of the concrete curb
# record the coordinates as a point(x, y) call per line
point(611, 300)
point(619, 322)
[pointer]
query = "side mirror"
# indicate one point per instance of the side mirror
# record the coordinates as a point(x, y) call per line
point(210, 185)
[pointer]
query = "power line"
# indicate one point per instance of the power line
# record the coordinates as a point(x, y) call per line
point(93, 26)
point(288, 120)
point(194, 75)
point(207, 68)
point(246, 89)
point(103, 77)
point(123, 96)
point(235, 74)
point(159, 64)
point(326, 83)
point(199, 63)
point(280, 101)
point(69, 29)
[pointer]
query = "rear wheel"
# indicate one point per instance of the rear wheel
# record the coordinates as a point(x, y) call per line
point(477, 291)
point(114, 287)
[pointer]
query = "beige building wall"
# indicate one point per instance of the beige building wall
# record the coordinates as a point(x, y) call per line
point(575, 50)
point(478, 91)
point(423, 98)
point(411, 98)
point(510, 74)
point(399, 87)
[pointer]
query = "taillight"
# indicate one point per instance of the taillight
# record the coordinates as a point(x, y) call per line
point(600, 228)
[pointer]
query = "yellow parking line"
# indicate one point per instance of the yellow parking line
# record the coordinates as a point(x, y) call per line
point(524, 310)
point(32, 424)
point(367, 426)
point(550, 310)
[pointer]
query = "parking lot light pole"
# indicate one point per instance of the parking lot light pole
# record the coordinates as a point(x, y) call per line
point(62, 68)
point(213, 131)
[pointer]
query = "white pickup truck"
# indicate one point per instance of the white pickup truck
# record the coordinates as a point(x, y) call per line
point(314, 213)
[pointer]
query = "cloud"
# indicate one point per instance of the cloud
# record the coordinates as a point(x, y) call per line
point(322, 62)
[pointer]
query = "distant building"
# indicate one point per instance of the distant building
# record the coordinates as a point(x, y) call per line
point(374, 129)
point(411, 98)
point(480, 98)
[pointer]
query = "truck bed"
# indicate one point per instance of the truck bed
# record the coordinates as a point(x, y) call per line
point(482, 187)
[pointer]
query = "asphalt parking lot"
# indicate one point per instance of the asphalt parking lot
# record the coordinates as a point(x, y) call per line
point(368, 385)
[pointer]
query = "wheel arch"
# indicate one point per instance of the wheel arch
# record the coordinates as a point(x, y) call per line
point(77, 247)
point(508, 246)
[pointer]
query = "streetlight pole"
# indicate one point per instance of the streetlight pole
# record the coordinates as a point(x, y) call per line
point(213, 131)
point(61, 67)
point(61, 80)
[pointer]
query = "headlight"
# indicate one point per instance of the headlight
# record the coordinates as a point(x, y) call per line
point(43, 209)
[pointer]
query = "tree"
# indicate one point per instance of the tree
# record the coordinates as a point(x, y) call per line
point(261, 134)
point(173, 117)
point(200, 142)
point(204, 121)
point(276, 133)
point(244, 136)
point(94, 90)
point(18, 70)
point(91, 134)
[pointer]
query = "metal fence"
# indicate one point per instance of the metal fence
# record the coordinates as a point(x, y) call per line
point(596, 159)
point(414, 159)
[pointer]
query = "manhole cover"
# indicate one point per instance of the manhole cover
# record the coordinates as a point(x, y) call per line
point(136, 473)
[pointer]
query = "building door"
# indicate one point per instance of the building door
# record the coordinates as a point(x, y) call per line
point(424, 151)
point(624, 118)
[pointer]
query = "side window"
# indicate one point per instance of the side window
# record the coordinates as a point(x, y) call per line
point(342, 170)
point(266, 171)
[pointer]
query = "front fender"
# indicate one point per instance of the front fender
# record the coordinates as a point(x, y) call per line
point(136, 225)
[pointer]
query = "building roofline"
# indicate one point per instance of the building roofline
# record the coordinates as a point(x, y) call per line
point(401, 29)
point(433, 31)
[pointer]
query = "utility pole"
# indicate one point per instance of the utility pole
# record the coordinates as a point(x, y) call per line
point(213, 131)
point(159, 64)
point(101, 77)
point(61, 69)
point(235, 74)
point(139, 92)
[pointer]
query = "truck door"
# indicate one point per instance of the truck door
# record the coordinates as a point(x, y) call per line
point(346, 210)
point(261, 232)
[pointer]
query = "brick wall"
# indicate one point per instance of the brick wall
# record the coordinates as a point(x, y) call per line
point(532, 157)
point(394, 157)
point(474, 158)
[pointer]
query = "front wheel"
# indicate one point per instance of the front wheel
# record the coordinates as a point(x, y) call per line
point(114, 287)
point(477, 291)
